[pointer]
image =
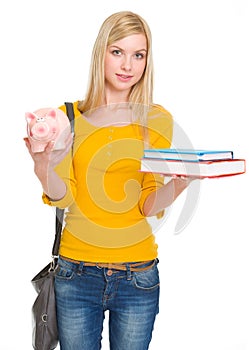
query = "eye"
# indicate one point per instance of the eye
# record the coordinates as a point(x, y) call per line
point(116, 52)
point(139, 55)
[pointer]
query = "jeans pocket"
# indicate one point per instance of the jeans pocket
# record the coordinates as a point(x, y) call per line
point(65, 271)
point(147, 280)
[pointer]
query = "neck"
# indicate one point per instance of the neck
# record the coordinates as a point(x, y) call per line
point(116, 97)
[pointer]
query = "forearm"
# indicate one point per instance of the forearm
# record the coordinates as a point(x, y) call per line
point(164, 196)
point(53, 186)
point(44, 164)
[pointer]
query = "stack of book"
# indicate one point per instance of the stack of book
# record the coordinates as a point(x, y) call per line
point(195, 163)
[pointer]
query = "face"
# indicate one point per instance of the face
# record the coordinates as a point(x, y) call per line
point(125, 61)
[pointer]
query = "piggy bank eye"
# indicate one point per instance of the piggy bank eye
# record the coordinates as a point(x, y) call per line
point(40, 119)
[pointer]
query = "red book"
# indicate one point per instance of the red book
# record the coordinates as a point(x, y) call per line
point(200, 169)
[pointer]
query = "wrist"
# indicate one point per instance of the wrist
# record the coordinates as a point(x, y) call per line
point(182, 181)
point(42, 172)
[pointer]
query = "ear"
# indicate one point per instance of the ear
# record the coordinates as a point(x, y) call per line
point(29, 116)
point(51, 113)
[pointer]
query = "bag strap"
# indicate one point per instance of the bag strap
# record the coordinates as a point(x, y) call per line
point(60, 212)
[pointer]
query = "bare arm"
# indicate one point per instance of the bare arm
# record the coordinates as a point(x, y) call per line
point(165, 196)
point(44, 164)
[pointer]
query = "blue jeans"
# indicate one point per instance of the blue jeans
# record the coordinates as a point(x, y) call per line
point(84, 293)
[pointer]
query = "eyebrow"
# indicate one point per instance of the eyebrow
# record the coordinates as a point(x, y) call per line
point(119, 48)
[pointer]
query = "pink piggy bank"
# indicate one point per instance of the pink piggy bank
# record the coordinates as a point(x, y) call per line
point(45, 125)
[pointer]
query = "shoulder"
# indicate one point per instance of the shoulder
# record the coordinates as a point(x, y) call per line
point(160, 126)
point(158, 110)
point(75, 107)
point(159, 116)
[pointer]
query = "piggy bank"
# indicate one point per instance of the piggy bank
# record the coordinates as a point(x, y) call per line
point(45, 125)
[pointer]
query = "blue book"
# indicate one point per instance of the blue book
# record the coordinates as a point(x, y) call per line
point(187, 154)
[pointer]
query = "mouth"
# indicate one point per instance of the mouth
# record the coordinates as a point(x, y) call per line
point(124, 77)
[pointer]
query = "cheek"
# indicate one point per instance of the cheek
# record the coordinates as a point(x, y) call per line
point(140, 69)
point(109, 66)
point(107, 73)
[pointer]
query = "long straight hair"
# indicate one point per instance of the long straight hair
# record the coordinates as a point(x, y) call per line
point(116, 27)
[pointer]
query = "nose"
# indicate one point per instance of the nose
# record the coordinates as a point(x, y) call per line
point(126, 64)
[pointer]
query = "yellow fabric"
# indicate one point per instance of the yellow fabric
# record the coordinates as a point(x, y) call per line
point(106, 191)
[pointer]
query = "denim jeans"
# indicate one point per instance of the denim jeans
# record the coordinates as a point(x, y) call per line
point(84, 293)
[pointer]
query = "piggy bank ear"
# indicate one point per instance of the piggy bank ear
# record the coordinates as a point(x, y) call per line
point(51, 113)
point(30, 117)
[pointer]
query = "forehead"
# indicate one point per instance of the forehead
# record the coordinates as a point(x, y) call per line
point(132, 42)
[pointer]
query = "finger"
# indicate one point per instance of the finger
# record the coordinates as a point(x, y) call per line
point(48, 149)
point(26, 140)
point(28, 145)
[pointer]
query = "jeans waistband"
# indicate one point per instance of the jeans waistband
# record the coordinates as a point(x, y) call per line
point(137, 266)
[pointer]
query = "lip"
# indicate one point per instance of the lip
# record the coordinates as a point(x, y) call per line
point(124, 77)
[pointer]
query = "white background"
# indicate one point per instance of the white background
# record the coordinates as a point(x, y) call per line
point(202, 74)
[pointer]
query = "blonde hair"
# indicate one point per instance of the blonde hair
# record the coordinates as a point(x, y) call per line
point(116, 27)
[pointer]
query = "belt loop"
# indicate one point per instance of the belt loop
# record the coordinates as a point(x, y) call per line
point(128, 268)
point(80, 268)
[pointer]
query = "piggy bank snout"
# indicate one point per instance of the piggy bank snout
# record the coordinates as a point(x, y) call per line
point(40, 131)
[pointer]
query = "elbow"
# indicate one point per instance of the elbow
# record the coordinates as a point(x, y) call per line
point(146, 212)
point(149, 206)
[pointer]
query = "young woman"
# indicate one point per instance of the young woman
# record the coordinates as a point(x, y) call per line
point(108, 254)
